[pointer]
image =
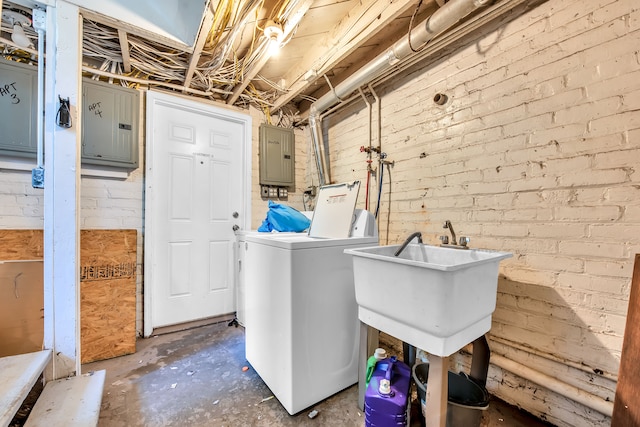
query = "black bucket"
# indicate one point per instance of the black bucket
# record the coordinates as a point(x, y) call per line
point(466, 399)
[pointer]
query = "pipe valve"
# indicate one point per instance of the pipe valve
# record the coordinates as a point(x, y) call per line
point(369, 150)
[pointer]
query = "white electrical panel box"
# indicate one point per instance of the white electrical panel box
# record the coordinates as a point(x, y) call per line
point(109, 119)
point(18, 99)
point(109, 124)
point(277, 157)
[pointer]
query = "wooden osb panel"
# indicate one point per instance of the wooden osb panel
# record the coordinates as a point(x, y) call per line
point(626, 408)
point(107, 287)
point(16, 245)
point(21, 307)
point(107, 293)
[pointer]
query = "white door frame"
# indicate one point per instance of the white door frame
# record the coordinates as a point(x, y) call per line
point(153, 98)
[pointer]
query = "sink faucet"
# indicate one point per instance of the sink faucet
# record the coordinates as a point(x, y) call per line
point(447, 224)
point(461, 244)
point(406, 242)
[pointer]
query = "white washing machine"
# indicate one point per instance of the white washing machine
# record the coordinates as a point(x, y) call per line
point(240, 251)
point(301, 318)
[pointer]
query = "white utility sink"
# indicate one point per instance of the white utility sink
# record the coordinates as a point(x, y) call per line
point(436, 298)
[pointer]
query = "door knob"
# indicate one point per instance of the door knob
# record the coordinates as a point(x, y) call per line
point(235, 214)
point(235, 227)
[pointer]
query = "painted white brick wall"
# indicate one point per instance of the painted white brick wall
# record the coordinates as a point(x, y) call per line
point(21, 206)
point(104, 204)
point(535, 153)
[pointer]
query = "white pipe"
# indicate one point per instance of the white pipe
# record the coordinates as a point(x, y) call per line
point(441, 19)
point(575, 365)
point(315, 138)
point(40, 25)
point(570, 392)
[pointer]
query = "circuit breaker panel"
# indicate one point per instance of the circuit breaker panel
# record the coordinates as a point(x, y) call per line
point(277, 157)
point(109, 124)
point(18, 99)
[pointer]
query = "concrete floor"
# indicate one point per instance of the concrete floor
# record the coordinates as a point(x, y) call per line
point(196, 378)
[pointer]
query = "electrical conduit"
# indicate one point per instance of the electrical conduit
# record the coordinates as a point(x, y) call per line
point(40, 24)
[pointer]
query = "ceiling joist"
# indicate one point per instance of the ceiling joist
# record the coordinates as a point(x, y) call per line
point(131, 29)
point(359, 25)
point(124, 48)
point(330, 38)
point(205, 28)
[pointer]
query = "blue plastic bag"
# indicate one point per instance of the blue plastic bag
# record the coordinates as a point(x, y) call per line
point(284, 218)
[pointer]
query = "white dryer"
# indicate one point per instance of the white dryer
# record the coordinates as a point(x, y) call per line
point(301, 318)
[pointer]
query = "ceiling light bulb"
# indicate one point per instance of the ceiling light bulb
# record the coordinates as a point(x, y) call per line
point(274, 47)
point(19, 37)
point(274, 34)
point(273, 31)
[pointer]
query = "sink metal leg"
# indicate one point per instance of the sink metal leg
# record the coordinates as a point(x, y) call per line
point(437, 392)
point(368, 344)
point(480, 360)
point(409, 352)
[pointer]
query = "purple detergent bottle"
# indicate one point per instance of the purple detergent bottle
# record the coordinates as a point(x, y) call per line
point(386, 397)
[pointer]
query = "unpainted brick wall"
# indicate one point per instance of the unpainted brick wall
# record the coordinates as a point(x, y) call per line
point(536, 153)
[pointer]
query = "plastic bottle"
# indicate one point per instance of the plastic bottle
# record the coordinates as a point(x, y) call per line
point(386, 400)
point(378, 354)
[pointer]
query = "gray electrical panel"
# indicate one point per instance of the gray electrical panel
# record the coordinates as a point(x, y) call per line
point(277, 156)
point(109, 124)
point(18, 105)
point(109, 120)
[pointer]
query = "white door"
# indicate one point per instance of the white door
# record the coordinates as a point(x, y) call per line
point(196, 192)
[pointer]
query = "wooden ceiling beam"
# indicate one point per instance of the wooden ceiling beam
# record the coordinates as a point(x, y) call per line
point(132, 29)
point(124, 49)
point(357, 27)
point(203, 34)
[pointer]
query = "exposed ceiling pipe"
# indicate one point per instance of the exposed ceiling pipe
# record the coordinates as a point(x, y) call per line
point(315, 139)
point(442, 19)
